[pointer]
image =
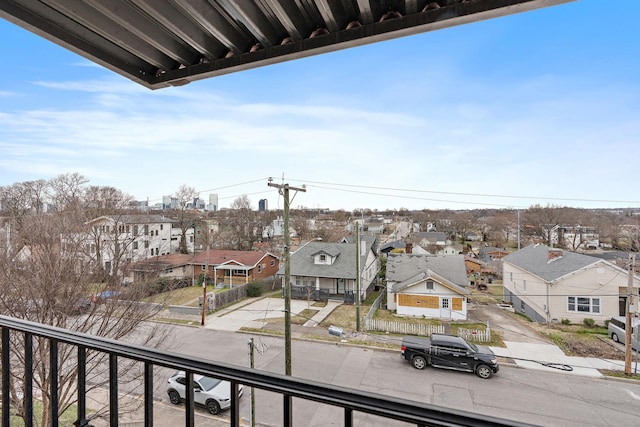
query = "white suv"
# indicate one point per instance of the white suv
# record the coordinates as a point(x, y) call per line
point(212, 393)
point(617, 328)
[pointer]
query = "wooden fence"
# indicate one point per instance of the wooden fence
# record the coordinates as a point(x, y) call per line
point(395, 327)
point(475, 334)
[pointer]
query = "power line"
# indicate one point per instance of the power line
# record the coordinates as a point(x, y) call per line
point(469, 194)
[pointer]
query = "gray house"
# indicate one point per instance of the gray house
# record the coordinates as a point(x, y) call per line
point(427, 285)
point(550, 285)
point(328, 270)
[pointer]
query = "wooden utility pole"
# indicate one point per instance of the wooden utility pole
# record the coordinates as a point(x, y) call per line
point(253, 399)
point(628, 353)
point(357, 301)
point(284, 191)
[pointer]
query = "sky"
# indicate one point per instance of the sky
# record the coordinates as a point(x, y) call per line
point(541, 107)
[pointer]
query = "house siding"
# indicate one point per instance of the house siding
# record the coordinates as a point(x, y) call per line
point(598, 281)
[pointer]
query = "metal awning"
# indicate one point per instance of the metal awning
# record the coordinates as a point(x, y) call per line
point(160, 43)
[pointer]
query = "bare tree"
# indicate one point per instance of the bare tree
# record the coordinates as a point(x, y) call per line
point(242, 225)
point(185, 214)
point(67, 191)
point(43, 278)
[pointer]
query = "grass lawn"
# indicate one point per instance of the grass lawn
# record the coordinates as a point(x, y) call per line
point(181, 296)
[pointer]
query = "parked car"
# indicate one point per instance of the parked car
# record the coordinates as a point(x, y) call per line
point(81, 306)
point(449, 352)
point(103, 296)
point(617, 328)
point(212, 393)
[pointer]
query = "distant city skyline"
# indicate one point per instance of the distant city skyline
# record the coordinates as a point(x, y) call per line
point(534, 108)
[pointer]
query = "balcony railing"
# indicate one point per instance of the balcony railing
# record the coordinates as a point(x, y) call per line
point(349, 401)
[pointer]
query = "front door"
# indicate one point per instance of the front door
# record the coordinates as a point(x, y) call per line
point(445, 307)
point(340, 287)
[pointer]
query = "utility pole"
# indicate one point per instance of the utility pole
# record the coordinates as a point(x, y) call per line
point(204, 287)
point(357, 301)
point(284, 191)
point(628, 353)
point(252, 408)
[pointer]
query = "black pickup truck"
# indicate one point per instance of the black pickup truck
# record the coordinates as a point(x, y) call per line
point(449, 352)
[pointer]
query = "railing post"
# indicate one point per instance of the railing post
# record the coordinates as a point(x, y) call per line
point(28, 379)
point(113, 390)
point(6, 381)
point(235, 404)
point(288, 410)
point(82, 386)
point(54, 406)
point(189, 404)
point(348, 417)
point(148, 394)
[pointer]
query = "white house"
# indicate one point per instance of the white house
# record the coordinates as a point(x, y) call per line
point(124, 239)
point(549, 285)
point(427, 285)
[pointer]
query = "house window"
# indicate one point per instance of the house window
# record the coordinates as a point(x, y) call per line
point(146, 244)
point(260, 268)
point(238, 272)
point(135, 230)
point(161, 225)
point(127, 228)
point(323, 258)
point(583, 305)
point(524, 285)
point(203, 267)
point(146, 229)
point(429, 285)
point(273, 262)
point(511, 276)
point(135, 245)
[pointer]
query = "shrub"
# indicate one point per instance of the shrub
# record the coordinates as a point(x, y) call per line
point(589, 323)
point(566, 322)
point(254, 289)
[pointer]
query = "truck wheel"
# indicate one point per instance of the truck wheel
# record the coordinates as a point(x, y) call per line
point(419, 362)
point(483, 371)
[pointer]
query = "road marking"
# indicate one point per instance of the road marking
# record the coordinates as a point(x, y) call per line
point(633, 395)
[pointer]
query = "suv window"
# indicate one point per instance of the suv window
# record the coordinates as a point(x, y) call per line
point(617, 323)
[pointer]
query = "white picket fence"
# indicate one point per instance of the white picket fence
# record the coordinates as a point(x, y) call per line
point(475, 334)
point(422, 329)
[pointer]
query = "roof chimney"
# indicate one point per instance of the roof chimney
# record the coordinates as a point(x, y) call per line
point(554, 254)
point(408, 248)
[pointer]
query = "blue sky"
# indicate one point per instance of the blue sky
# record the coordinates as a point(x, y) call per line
point(540, 107)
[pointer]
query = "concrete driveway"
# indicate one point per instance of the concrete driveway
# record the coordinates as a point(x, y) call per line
point(258, 312)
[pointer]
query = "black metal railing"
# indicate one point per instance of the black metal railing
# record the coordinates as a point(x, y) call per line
point(348, 400)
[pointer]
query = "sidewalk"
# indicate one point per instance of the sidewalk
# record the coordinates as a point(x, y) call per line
point(257, 312)
point(527, 355)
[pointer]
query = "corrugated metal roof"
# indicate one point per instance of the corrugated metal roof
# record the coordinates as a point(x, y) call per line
point(169, 43)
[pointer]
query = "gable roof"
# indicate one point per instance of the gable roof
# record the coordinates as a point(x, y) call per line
point(343, 267)
point(429, 274)
point(535, 260)
point(401, 267)
point(224, 257)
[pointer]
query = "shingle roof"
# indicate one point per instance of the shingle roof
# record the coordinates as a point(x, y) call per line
point(222, 257)
point(535, 260)
point(401, 267)
point(344, 266)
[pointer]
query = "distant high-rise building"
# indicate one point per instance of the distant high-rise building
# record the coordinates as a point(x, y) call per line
point(213, 203)
point(263, 205)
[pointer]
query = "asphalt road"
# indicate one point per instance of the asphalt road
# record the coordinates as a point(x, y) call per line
point(547, 399)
